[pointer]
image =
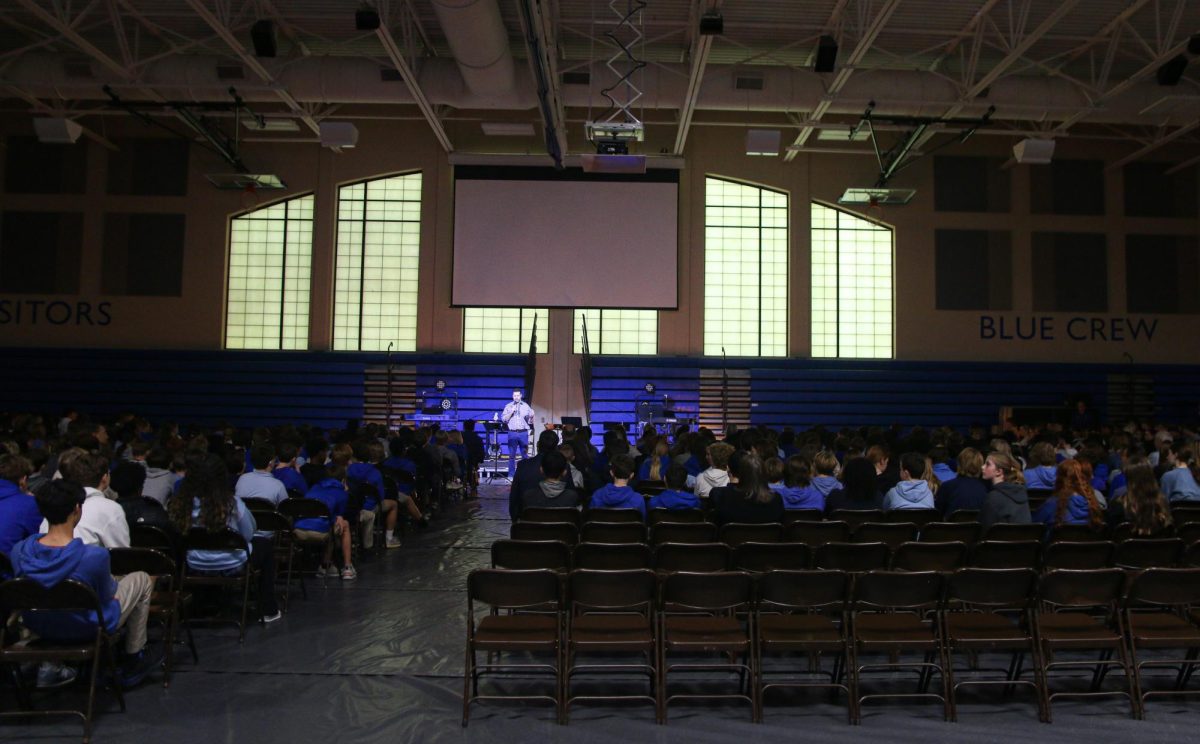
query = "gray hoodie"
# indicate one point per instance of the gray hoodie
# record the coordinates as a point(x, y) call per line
point(708, 480)
point(159, 484)
point(1006, 502)
point(550, 493)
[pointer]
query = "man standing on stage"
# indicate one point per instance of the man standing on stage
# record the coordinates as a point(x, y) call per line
point(518, 417)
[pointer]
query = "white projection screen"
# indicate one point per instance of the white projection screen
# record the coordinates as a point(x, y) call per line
point(536, 237)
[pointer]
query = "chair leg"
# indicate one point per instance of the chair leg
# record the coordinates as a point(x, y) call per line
point(948, 675)
point(1185, 670)
point(468, 678)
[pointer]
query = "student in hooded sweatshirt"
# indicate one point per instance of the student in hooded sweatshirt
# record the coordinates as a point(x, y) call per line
point(912, 492)
point(674, 497)
point(618, 494)
point(749, 500)
point(1074, 500)
point(19, 515)
point(968, 489)
point(940, 458)
point(160, 481)
point(1008, 501)
point(825, 465)
point(1180, 483)
point(717, 474)
point(795, 486)
point(553, 490)
point(1042, 471)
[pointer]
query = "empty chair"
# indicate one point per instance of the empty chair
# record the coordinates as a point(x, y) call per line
point(528, 554)
point(696, 557)
point(919, 517)
point(990, 610)
point(816, 533)
point(1079, 613)
point(929, 556)
point(1076, 533)
point(1078, 555)
point(853, 557)
point(612, 515)
point(1159, 617)
point(1185, 513)
point(801, 612)
point(612, 556)
point(735, 533)
point(1012, 532)
point(1138, 553)
point(561, 531)
point(891, 615)
point(963, 532)
point(855, 517)
point(681, 532)
point(702, 614)
point(567, 514)
point(522, 632)
point(891, 534)
point(802, 515)
point(1189, 532)
point(759, 557)
point(1005, 554)
point(613, 532)
point(963, 515)
point(1191, 555)
point(655, 516)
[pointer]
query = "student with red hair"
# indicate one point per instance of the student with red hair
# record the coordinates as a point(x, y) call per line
point(1074, 500)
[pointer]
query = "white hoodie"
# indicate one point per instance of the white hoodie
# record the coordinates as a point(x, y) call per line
point(710, 479)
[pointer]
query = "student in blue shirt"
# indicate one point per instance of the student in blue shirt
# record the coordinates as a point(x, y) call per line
point(1042, 471)
point(19, 515)
point(674, 497)
point(286, 471)
point(654, 467)
point(1182, 481)
point(1074, 501)
point(794, 485)
point(618, 494)
point(912, 492)
point(330, 491)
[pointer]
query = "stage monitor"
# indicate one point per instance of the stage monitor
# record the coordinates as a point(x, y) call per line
point(538, 237)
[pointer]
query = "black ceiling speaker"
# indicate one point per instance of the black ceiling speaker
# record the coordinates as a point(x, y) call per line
point(366, 19)
point(1172, 70)
point(1194, 44)
point(262, 33)
point(827, 50)
point(712, 24)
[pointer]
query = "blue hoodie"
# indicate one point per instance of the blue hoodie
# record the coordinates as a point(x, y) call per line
point(800, 497)
point(1077, 511)
point(826, 484)
point(618, 497)
point(291, 479)
point(1179, 485)
point(670, 499)
point(909, 494)
point(332, 494)
point(362, 471)
point(1041, 477)
point(19, 516)
point(944, 473)
point(51, 566)
point(664, 462)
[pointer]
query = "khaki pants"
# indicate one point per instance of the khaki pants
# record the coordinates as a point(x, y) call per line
point(366, 521)
point(133, 595)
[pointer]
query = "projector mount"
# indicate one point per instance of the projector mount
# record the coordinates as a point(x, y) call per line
point(899, 156)
point(618, 125)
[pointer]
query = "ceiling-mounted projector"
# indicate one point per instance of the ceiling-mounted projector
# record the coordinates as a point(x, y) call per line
point(612, 163)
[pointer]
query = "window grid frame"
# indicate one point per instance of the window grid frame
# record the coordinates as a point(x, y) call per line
point(598, 332)
point(534, 314)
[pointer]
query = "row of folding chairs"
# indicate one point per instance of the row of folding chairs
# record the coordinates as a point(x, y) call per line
point(853, 517)
point(777, 629)
point(857, 557)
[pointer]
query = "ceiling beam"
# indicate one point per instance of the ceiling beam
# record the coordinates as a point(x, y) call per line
point(73, 36)
point(1152, 146)
point(410, 79)
point(985, 82)
point(541, 46)
point(701, 46)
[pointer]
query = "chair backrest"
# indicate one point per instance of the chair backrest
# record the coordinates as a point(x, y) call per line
point(758, 557)
point(683, 532)
point(295, 493)
point(802, 515)
point(996, 588)
point(736, 533)
point(562, 531)
point(1161, 552)
point(1191, 554)
point(613, 532)
point(1185, 513)
point(528, 554)
point(303, 508)
point(1064, 587)
point(803, 590)
point(1189, 532)
point(885, 590)
point(657, 516)
point(929, 556)
point(1169, 587)
point(590, 589)
point(891, 534)
point(651, 487)
point(1005, 554)
point(199, 538)
point(27, 595)
point(272, 521)
point(722, 590)
point(919, 517)
point(696, 557)
point(6, 567)
point(855, 517)
point(1077, 533)
point(154, 562)
point(612, 556)
point(552, 514)
point(1080, 555)
point(963, 532)
point(504, 588)
point(612, 515)
point(854, 557)
point(1010, 532)
point(815, 534)
point(963, 515)
point(259, 505)
point(146, 536)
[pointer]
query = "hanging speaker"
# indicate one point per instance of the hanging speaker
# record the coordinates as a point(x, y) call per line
point(827, 50)
point(262, 34)
point(56, 131)
point(1172, 70)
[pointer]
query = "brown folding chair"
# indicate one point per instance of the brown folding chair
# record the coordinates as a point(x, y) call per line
point(735, 533)
point(259, 505)
point(568, 514)
point(27, 596)
point(801, 612)
point(561, 531)
point(1138, 553)
point(612, 515)
point(896, 612)
point(1186, 512)
point(613, 532)
point(611, 612)
point(802, 515)
point(1080, 613)
point(692, 557)
point(701, 613)
point(656, 516)
point(531, 554)
point(1191, 555)
point(297, 509)
point(856, 517)
point(919, 517)
point(683, 532)
point(612, 556)
point(651, 487)
point(852, 557)
point(963, 532)
point(963, 515)
point(929, 556)
point(1159, 615)
point(499, 633)
point(285, 550)
point(1077, 533)
point(166, 600)
point(815, 534)
point(1005, 554)
point(891, 534)
point(1014, 532)
point(225, 540)
point(156, 538)
point(1076, 555)
point(758, 557)
point(1189, 532)
point(990, 610)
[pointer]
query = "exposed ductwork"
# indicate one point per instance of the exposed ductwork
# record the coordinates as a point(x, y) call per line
point(479, 42)
point(329, 80)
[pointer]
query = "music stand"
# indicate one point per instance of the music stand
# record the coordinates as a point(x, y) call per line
point(491, 430)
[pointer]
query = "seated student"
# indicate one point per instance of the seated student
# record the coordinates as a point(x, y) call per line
point(128, 480)
point(260, 483)
point(618, 494)
point(912, 492)
point(859, 489)
point(553, 490)
point(393, 499)
point(968, 489)
point(658, 459)
point(1142, 504)
point(286, 470)
point(794, 485)
point(717, 474)
point(204, 500)
point(19, 516)
point(332, 492)
point(940, 458)
point(1008, 501)
point(160, 481)
point(58, 555)
point(674, 497)
point(399, 459)
point(313, 468)
point(825, 467)
point(1042, 471)
point(529, 473)
point(1182, 481)
point(887, 471)
point(573, 475)
point(103, 521)
point(749, 499)
point(1074, 500)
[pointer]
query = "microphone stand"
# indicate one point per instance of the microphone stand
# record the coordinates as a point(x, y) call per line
point(724, 395)
point(388, 419)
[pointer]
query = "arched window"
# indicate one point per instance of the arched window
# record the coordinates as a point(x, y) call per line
point(745, 269)
point(375, 277)
point(851, 286)
point(270, 265)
